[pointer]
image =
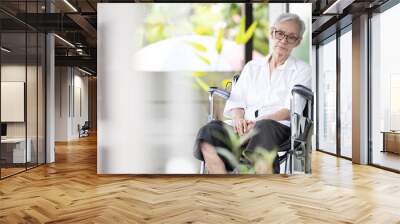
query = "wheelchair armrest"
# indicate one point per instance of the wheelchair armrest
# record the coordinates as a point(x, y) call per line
point(219, 92)
point(303, 91)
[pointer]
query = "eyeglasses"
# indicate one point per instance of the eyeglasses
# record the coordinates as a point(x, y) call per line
point(280, 35)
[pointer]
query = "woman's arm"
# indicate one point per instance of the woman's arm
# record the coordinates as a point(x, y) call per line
point(237, 113)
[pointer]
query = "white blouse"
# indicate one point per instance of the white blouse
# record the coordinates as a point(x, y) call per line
point(257, 89)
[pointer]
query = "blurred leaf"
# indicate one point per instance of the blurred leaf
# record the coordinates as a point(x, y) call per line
point(218, 44)
point(239, 36)
point(268, 155)
point(248, 155)
point(202, 84)
point(202, 58)
point(243, 36)
point(264, 160)
point(258, 155)
point(199, 74)
point(203, 18)
point(223, 138)
point(245, 169)
point(228, 156)
point(251, 171)
point(233, 138)
point(204, 31)
point(247, 136)
point(155, 32)
point(249, 33)
point(232, 141)
point(197, 46)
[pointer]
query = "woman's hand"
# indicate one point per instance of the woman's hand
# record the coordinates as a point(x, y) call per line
point(238, 121)
point(240, 126)
point(250, 125)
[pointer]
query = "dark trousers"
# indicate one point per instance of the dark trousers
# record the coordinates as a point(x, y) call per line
point(271, 134)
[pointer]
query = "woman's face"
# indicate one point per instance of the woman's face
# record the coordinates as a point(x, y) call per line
point(285, 37)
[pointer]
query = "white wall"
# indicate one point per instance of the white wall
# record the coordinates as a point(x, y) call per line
point(61, 103)
point(82, 83)
point(69, 84)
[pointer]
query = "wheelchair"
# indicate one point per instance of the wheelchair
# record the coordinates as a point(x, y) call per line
point(84, 129)
point(296, 151)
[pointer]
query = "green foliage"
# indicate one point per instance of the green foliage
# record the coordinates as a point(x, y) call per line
point(203, 19)
point(199, 74)
point(229, 12)
point(205, 31)
point(229, 156)
point(202, 58)
point(222, 21)
point(208, 19)
point(244, 35)
point(155, 26)
point(218, 44)
point(203, 85)
point(259, 161)
point(201, 22)
point(261, 34)
point(197, 46)
point(155, 32)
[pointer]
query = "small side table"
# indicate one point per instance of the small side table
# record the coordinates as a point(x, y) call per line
point(391, 141)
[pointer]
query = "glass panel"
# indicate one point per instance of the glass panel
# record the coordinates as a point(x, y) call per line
point(22, 102)
point(31, 87)
point(41, 98)
point(385, 89)
point(13, 87)
point(346, 94)
point(327, 97)
point(31, 100)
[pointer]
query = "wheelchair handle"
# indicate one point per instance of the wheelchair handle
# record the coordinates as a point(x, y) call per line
point(220, 92)
point(303, 91)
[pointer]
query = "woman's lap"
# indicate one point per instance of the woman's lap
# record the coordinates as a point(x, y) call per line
point(270, 135)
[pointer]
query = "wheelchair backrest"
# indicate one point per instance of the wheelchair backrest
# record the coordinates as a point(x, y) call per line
point(303, 121)
point(307, 95)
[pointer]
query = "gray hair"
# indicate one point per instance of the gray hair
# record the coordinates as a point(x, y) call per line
point(291, 17)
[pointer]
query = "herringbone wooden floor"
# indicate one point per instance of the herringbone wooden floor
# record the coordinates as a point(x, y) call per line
point(70, 191)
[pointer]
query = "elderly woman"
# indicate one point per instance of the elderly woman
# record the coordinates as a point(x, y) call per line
point(261, 98)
